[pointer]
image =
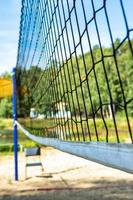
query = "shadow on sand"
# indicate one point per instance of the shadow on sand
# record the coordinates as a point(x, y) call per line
point(98, 190)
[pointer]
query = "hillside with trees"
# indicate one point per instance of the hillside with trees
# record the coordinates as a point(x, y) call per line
point(95, 80)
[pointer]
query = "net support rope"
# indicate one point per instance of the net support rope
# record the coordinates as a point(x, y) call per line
point(118, 156)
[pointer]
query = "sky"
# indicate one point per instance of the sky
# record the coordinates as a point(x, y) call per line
point(10, 19)
point(9, 33)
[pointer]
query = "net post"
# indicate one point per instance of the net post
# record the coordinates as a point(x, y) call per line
point(15, 133)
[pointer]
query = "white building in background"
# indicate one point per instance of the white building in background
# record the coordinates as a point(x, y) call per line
point(61, 108)
point(40, 116)
point(33, 113)
point(62, 111)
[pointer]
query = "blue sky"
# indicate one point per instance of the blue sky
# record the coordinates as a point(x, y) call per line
point(10, 19)
point(9, 30)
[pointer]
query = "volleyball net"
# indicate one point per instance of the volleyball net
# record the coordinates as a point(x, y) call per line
point(75, 70)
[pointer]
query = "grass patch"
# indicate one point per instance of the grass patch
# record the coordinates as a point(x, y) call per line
point(70, 127)
point(6, 137)
point(6, 124)
point(103, 131)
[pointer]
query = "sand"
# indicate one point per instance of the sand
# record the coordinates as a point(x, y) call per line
point(64, 177)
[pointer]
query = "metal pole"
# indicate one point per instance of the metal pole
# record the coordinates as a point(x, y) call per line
point(14, 103)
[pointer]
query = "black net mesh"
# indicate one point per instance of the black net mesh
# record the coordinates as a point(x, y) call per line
point(75, 69)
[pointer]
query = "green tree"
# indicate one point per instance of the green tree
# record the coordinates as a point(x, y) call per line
point(6, 108)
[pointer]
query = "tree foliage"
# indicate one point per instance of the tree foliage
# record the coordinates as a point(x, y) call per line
point(90, 81)
point(6, 103)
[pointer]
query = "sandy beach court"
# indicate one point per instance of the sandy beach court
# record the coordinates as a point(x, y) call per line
point(65, 177)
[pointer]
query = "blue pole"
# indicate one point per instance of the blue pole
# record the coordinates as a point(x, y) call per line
point(14, 103)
